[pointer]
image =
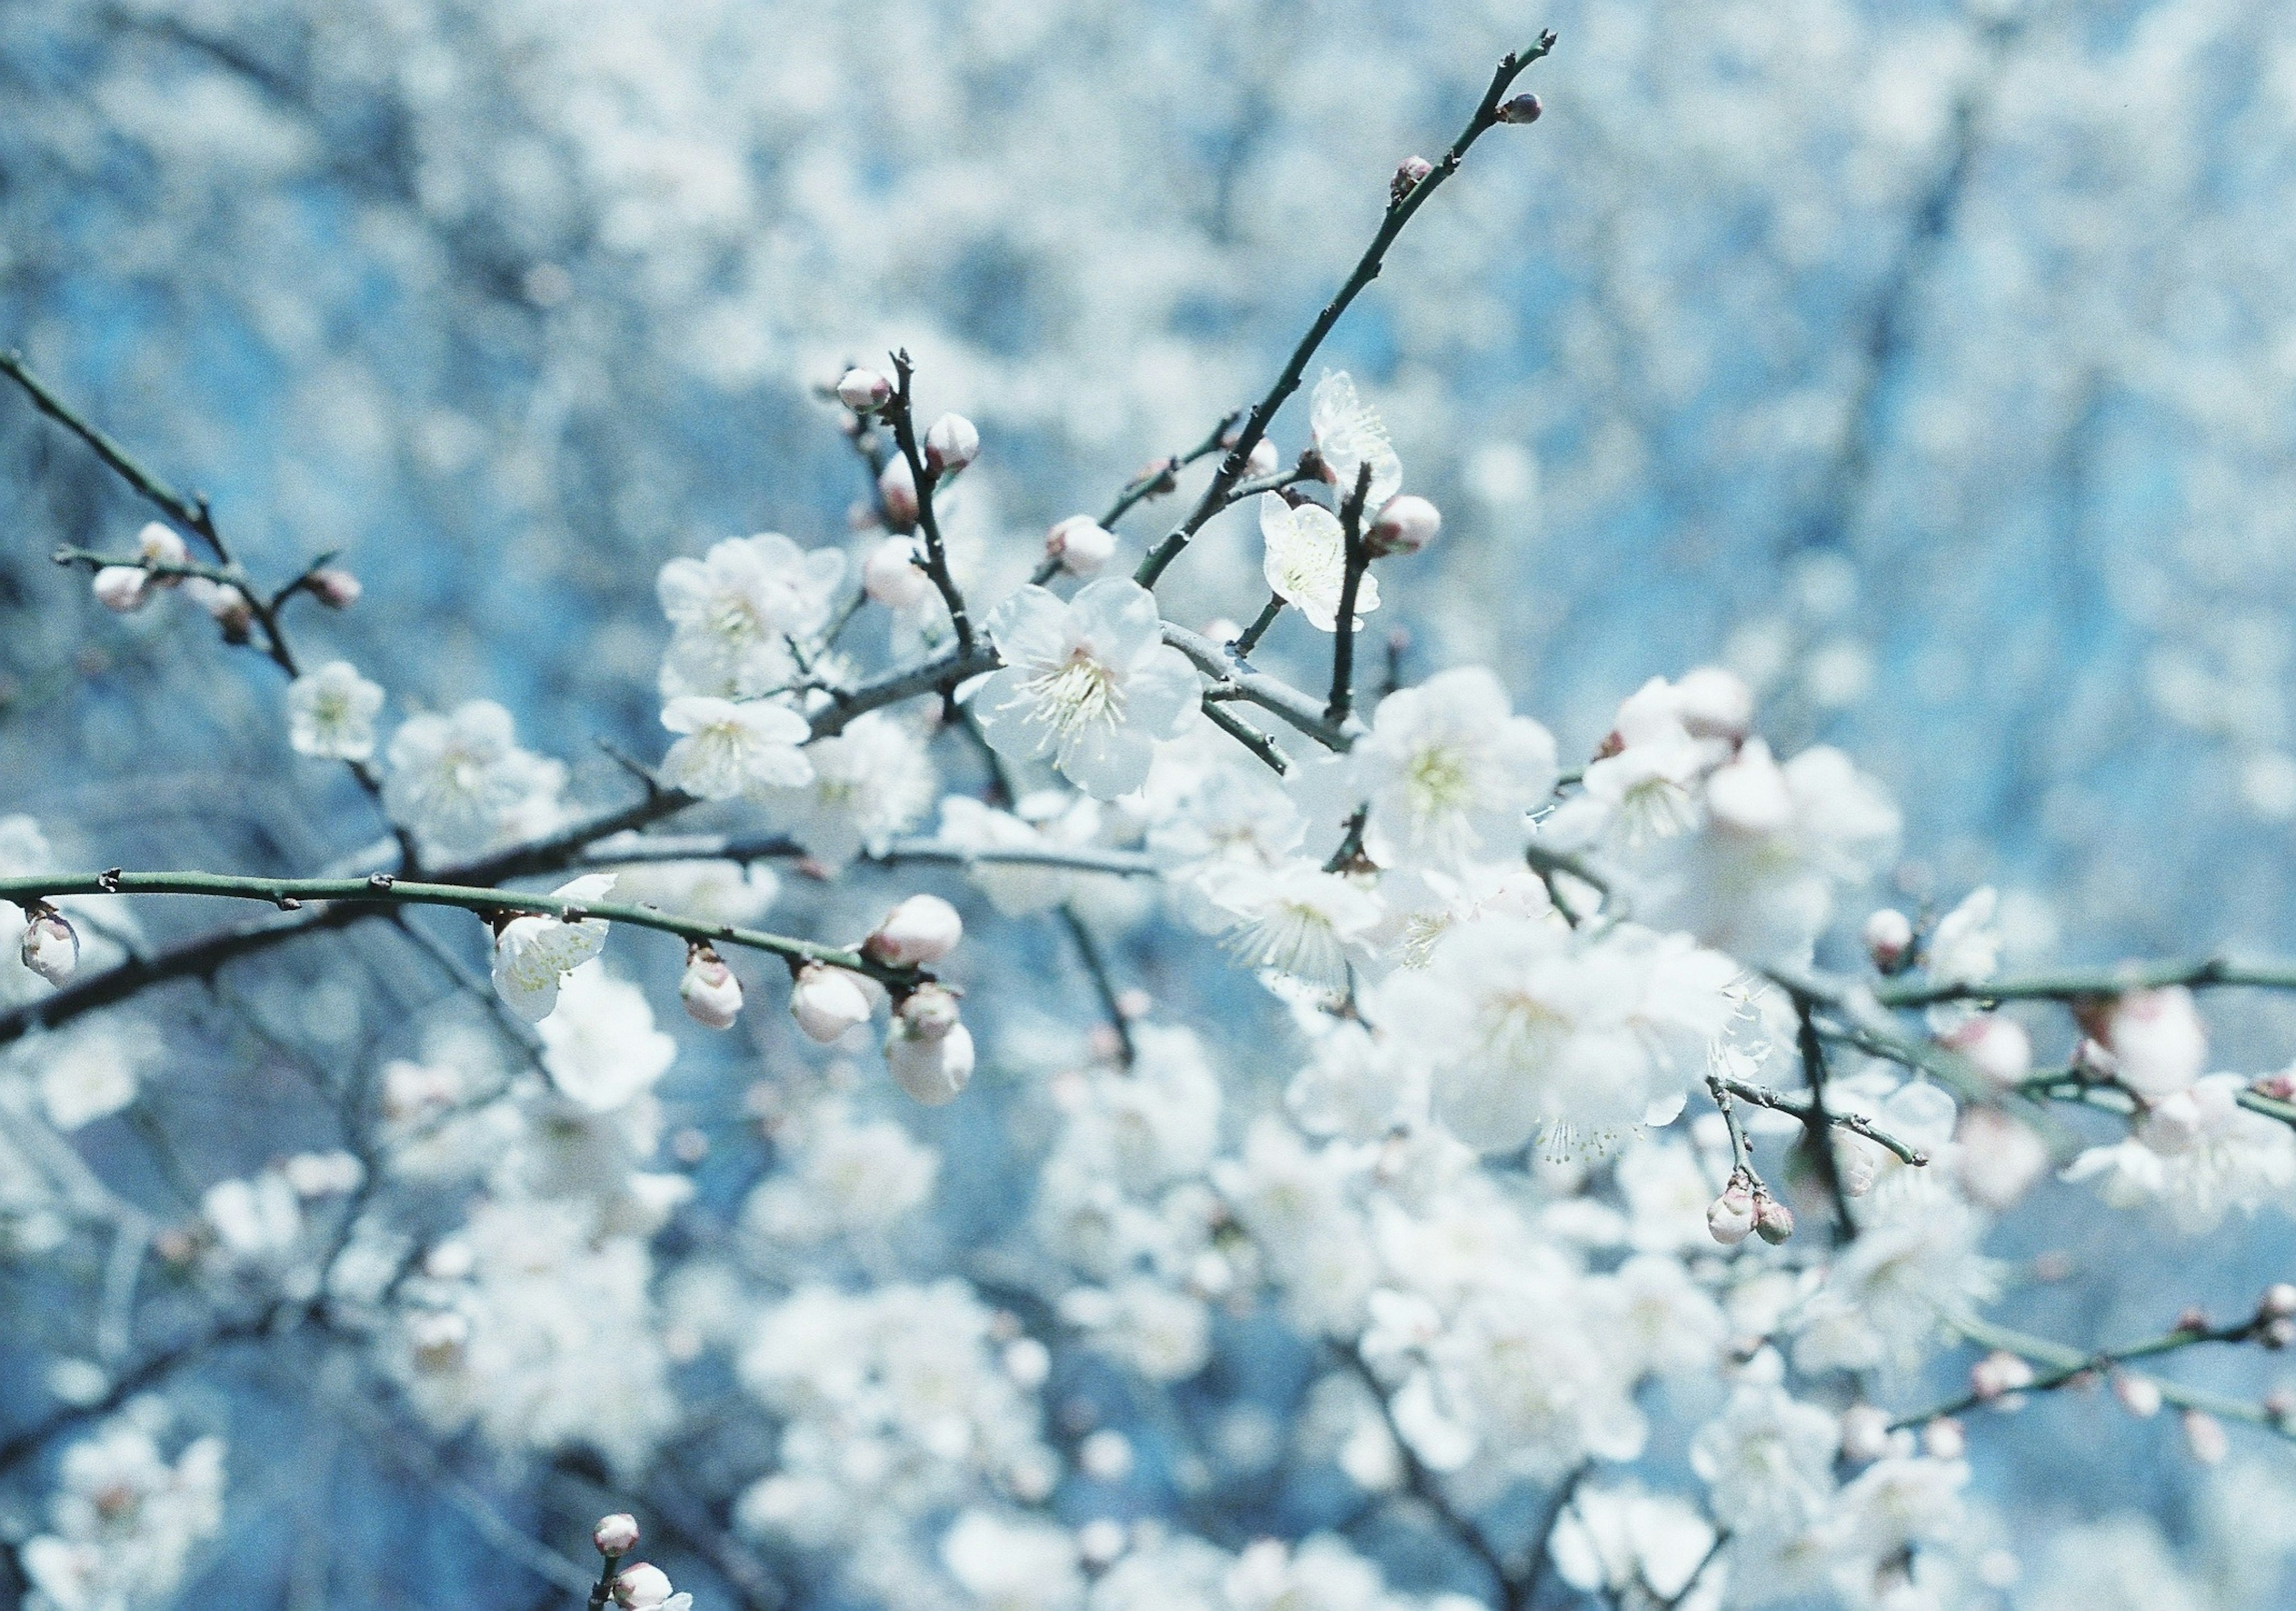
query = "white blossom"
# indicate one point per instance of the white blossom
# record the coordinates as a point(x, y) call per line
point(1306, 562)
point(534, 954)
point(1349, 434)
point(331, 713)
point(733, 747)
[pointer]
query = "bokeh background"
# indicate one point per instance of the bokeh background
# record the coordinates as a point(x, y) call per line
point(1933, 366)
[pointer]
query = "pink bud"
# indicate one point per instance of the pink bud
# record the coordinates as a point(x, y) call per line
point(1408, 173)
point(1998, 1158)
point(615, 1534)
point(1888, 937)
point(2157, 1039)
point(1772, 1220)
point(2279, 1301)
point(1713, 703)
point(827, 1002)
point(2277, 1334)
point(1730, 1217)
point(1523, 108)
point(1945, 1440)
point(51, 946)
point(642, 1588)
point(932, 1071)
point(1082, 545)
point(2204, 1436)
point(896, 492)
point(1262, 459)
point(1998, 1375)
point(917, 933)
point(1405, 525)
point(335, 588)
point(864, 390)
point(929, 1012)
point(711, 993)
point(161, 546)
point(892, 575)
point(951, 443)
point(121, 587)
point(1997, 1048)
point(2140, 1395)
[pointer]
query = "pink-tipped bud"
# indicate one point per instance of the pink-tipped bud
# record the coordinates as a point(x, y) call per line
point(1998, 1376)
point(1888, 937)
point(1997, 1048)
point(226, 605)
point(1406, 524)
point(1772, 1220)
point(1944, 1439)
point(711, 993)
point(1713, 703)
point(2278, 1302)
point(51, 946)
point(2204, 1436)
point(1262, 459)
point(917, 933)
point(162, 545)
point(951, 443)
point(1865, 1434)
point(642, 1588)
point(827, 1002)
point(1408, 173)
point(615, 1534)
point(2140, 1395)
point(1523, 108)
point(929, 1012)
point(896, 494)
point(2277, 1334)
point(892, 575)
point(865, 391)
point(1082, 545)
point(2158, 1040)
point(121, 587)
point(1730, 1217)
point(335, 588)
point(932, 1071)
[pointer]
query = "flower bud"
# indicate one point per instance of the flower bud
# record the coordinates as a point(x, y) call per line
point(1865, 1434)
point(162, 545)
point(1523, 108)
point(2277, 1334)
point(2279, 1301)
point(892, 575)
point(932, 1071)
point(1082, 545)
point(226, 605)
point(1772, 1220)
point(121, 587)
point(826, 1001)
point(865, 391)
point(51, 946)
point(951, 443)
point(1408, 173)
point(929, 1012)
point(335, 588)
point(1888, 937)
point(1713, 703)
point(2158, 1040)
point(711, 993)
point(642, 1588)
point(2204, 1437)
point(1262, 459)
point(1944, 1439)
point(1999, 1375)
point(917, 933)
point(896, 494)
point(1730, 1217)
point(615, 1534)
point(1997, 1048)
point(1405, 525)
point(2140, 1395)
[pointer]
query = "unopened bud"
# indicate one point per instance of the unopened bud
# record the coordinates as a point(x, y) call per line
point(1082, 545)
point(892, 575)
point(615, 1534)
point(896, 494)
point(335, 588)
point(711, 993)
point(162, 545)
point(2140, 1395)
point(864, 390)
point(642, 1588)
point(1523, 108)
point(1999, 1375)
point(2204, 1436)
point(121, 587)
point(917, 933)
point(51, 946)
point(1408, 173)
point(1730, 1217)
point(1888, 937)
point(2277, 1334)
point(1772, 1220)
point(1406, 524)
point(2279, 1301)
point(226, 605)
point(951, 444)
point(1944, 1439)
point(1997, 1048)
point(929, 1012)
point(826, 1001)
point(1865, 1434)
point(1262, 459)
point(932, 1071)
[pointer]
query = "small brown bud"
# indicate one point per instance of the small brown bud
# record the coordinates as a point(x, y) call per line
point(1523, 108)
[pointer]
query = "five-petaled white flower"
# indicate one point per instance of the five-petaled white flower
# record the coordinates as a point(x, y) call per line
point(1348, 436)
point(736, 611)
point(331, 713)
point(534, 954)
point(1089, 684)
point(732, 747)
point(1306, 562)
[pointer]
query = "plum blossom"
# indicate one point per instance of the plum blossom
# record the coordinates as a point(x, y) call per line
point(1299, 920)
point(331, 713)
point(732, 747)
point(2197, 1151)
point(1347, 435)
point(463, 784)
point(1307, 561)
point(870, 781)
point(1089, 684)
point(534, 954)
point(733, 611)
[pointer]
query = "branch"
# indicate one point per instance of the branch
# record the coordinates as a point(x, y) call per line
point(1249, 638)
point(1817, 1122)
point(1399, 212)
point(1357, 559)
point(1762, 1096)
point(2205, 974)
point(1231, 680)
point(190, 513)
point(901, 413)
point(774, 847)
point(1244, 733)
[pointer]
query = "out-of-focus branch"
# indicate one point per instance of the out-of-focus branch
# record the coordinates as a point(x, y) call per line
point(1817, 1122)
point(1399, 212)
point(774, 847)
point(191, 513)
point(2206, 973)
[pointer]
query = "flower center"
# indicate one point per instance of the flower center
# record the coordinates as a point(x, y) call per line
point(1079, 693)
point(1521, 1032)
point(1439, 780)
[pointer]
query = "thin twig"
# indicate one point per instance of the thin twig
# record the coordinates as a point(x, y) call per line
point(1357, 559)
point(901, 414)
point(1817, 1123)
point(191, 513)
point(1248, 639)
